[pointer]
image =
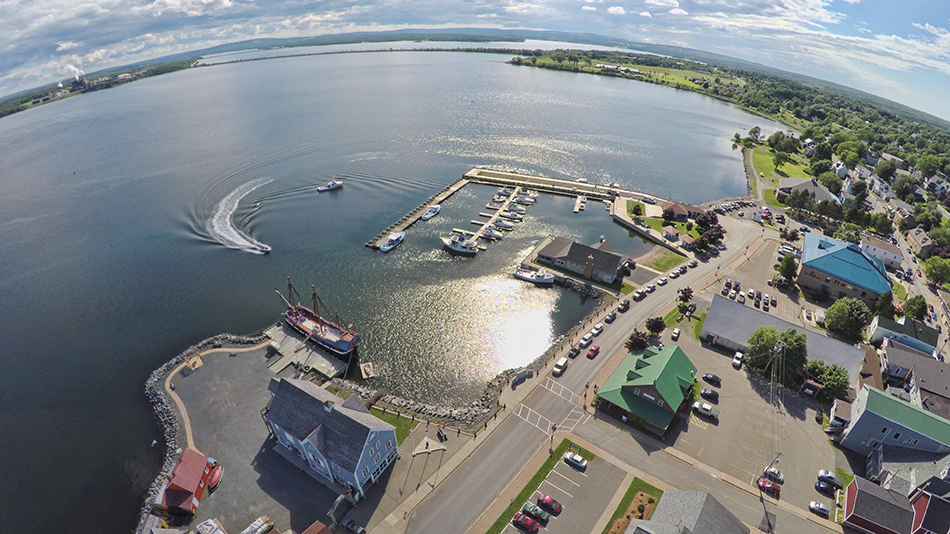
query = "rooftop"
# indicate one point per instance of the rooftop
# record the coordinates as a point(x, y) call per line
point(845, 261)
point(908, 415)
point(807, 184)
point(886, 508)
point(682, 512)
point(910, 328)
point(881, 244)
point(605, 260)
point(732, 320)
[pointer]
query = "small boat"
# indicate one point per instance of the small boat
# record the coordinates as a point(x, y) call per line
point(520, 199)
point(491, 233)
point(493, 206)
point(531, 193)
point(582, 206)
point(505, 191)
point(499, 198)
point(540, 277)
point(431, 212)
point(510, 215)
point(264, 249)
point(515, 208)
point(504, 225)
point(460, 245)
point(215, 477)
point(393, 241)
point(330, 186)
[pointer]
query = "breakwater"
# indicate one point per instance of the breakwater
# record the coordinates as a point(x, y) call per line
point(168, 417)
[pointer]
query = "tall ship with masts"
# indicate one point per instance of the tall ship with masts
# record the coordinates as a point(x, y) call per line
point(339, 340)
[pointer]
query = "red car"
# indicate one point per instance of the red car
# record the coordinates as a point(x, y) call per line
point(919, 275)
point(593, 352)
point(524, 522)
point(546, 501)
point(770, 487)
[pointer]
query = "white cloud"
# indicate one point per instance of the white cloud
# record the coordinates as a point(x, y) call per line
point(589, 8)
point(192, 8)
point(677, 11)
point(663, 3)
point(66, 46)
point(645, 14)
point(853, 1)
point(616, 10)
point(594, 1)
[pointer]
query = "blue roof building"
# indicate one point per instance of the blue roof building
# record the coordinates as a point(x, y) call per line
point(841, 269)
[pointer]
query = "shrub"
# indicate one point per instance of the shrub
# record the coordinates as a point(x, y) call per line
point(640, 508)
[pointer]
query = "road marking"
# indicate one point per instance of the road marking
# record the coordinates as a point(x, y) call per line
point(570, 417)
point(565, 478)
point(694, 419)
point(555, 387)
point(530, 416)
point(557, 488)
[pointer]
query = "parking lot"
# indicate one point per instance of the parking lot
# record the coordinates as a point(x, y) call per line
point(583, 496)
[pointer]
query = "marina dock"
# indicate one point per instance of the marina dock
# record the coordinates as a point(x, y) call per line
point(413, 216)
point(579, 203)
point(293, 350)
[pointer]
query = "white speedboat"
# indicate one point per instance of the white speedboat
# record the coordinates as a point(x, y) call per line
point(531, 193)
point(330, 186)
point(540, 277)
point(491, 233)
point(521, 199)
point(504, 225)
point(461, 245)
point(505, 191)
point(515, 208)
point(510, 215)
point(431, 212)
point(499, 198)
point(493, 206)
point(393, 241)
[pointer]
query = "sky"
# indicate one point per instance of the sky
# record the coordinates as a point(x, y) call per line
point(898, 49)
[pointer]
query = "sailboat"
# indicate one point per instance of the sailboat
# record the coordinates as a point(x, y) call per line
point(337, 339)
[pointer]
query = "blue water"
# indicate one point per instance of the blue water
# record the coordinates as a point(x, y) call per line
point(110, 263)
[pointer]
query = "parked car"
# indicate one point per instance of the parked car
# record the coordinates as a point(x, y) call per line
point(737, 285)
point(524, 522)
point(675, 335)
point(353, 526)
point(682, 269)
point(710, 394)
point(774, 302)
point(728, 283)
point(548, 502)
point(751, 294)
point(536, 512)
point(692, 264)
point(598, 329)
point(611, 317)
point(770, 487)
point(740, 298)
point(651, 288)
point(819, 508)
point(593, 352)
point(560, 367)
point(587, 339)
point(637, 295)
point(732, 294)
point(737, 360)
point(741, 214)
point(712, 379)
point(705, 409)
point(824, 487)
point(662, 281)
point(725, 290)
point(674, 274)
point(773, 474)
point(808, 314)
point(573, 352)
point(575, 460)
point(624, 305)
point(830, 477)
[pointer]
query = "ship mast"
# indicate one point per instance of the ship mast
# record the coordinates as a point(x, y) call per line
point(316, 309)
point(290, 293)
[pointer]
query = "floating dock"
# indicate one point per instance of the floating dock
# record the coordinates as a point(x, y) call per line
point(413, 216)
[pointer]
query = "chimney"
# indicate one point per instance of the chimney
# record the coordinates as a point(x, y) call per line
point(328, 405)
point(589, 267)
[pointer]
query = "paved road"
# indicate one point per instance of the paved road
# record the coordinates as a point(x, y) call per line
point(484, 475)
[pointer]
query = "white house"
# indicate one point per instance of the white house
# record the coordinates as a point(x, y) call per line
point(841, 169)
point(864, 172)
point(339, 440)
point(881, 188)
point(890, 254)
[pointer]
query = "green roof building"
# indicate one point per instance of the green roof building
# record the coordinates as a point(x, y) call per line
point(650, 386)
point(879, 419)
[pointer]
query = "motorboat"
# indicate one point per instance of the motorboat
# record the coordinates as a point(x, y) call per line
point(461, 245)
point(515, 208)
point(491, 233)
point(521, 199)
point(531, 193)
point(505, 191)
point(504, 225)
point(582, 206)
point(330, 186)
point(216, 473)
point(264, 249)
point(393, 241)
point(510, 215)
point(493, 206)
point(540, 277)
point(499, 198)
point(431, 212)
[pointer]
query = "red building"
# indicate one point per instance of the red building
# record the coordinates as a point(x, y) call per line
point(871, 509)
point(187, 483)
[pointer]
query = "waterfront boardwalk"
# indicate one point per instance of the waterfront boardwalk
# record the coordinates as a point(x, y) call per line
point(302, 355)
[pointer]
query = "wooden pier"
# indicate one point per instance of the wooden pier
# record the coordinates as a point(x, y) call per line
point(492, 217)
point(413, 216)
point(579, 203)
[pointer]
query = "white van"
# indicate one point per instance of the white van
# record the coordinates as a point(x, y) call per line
point(560, 367)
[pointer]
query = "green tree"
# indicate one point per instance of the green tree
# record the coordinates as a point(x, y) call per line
point(884, 305)
point(669, 215)
point(638, 340)
point(815, 369)
point(819, 166)
point(915, 308)
point(637, 210)
point(850, 158)
point(686, 294)
point(779, 159)
point(831, 182)
point(937, 270)
point(823, 151)
point(940, 236)
point(754, 133)
point(882, 224)
point(793, 357)
point(850, 232)
point(929, 219)
point(801, 199)
point(835, 381)
point(761, 343)
point(848, 317)
point(904, 186)
point(928, 165)
point(885, 168)
point(655, 325)
point(775, 139)
point(788, 267)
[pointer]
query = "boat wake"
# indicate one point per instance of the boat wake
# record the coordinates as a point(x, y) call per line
point(222, 222)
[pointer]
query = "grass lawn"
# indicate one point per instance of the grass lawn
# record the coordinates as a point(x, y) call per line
point(502, 522)
point(403, 424)
point(665, 261)
point(845, 476)
point(627, 288)
point(762, 161)
point(636, 486)
point(631, 204)
point(673, 317)
point(899, 291)
point(340, 392)
point(698, 327)
point(658, 224)
point(769, 195)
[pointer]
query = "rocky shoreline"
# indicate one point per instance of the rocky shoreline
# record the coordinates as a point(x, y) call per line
point(168, 417)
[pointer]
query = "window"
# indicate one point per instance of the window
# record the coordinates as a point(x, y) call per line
point(659, 402)
point(884, 430)
point(377, 458)
point(389, 445)
point(914, 442)
point(365, 471)
point(636, 391)
point(864, 293)
point(897, 435)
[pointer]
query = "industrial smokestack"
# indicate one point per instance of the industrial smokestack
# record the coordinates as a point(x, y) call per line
point(75, 72)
